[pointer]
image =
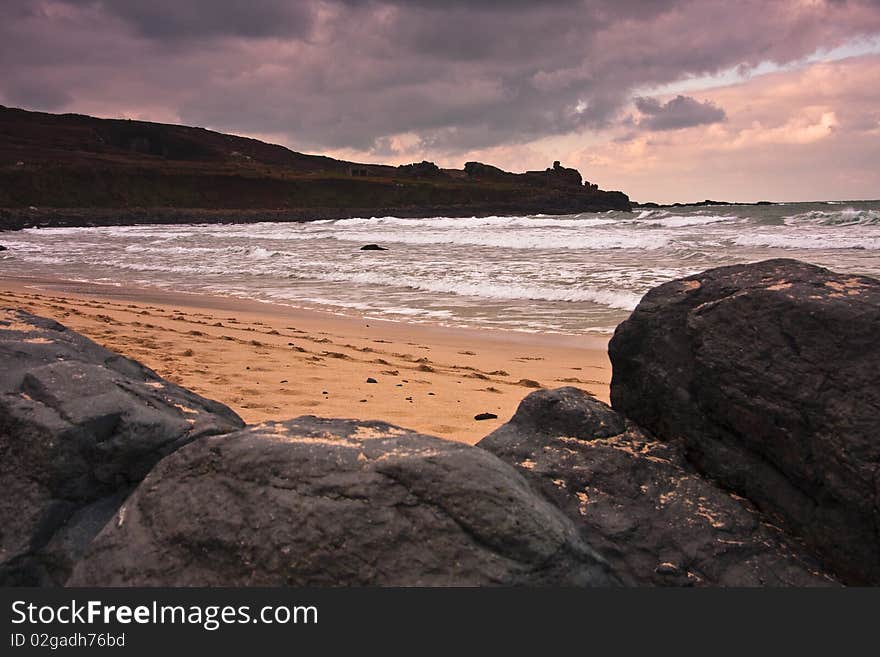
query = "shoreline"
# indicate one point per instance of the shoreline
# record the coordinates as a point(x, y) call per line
point(19, 218)
point(271, 361)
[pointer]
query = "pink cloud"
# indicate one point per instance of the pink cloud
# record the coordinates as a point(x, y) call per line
point(799, 135)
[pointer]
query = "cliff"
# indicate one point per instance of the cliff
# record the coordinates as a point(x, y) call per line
point(78, 170)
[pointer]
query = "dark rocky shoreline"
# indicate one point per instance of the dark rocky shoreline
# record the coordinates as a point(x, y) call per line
point(12, 219)
point(742, 449)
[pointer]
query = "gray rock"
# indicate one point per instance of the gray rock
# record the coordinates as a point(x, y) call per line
point(80, 426)
point(769, 374)
point(319, 502)
point(643, 507)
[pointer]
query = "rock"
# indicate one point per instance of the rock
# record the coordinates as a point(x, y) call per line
point(373, 247)
point(423, 169)
point(3, 248)
point(320, 502)
point(485, 416)
point(80, 426)
point(769, 374)
point(486, 171)
point(642, 505)
point(371, 380)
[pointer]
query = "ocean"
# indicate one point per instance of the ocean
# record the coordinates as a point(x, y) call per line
point(572, 274)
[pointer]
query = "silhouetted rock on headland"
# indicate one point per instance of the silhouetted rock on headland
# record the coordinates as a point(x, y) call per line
point(642, 505)
point(698, 204)
point(769, 374)
point(423, 169)
point(80, 426)
point(319, 502)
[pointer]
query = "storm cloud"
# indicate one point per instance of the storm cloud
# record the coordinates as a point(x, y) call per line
point(680, 112)
point(370, 75)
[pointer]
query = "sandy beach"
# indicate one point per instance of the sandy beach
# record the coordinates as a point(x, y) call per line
point(271, 361)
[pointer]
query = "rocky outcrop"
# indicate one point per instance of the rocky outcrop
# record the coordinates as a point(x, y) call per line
point(319, 502)
point(481, 171)
point(423, 169)
point(80, 426)
point(768, 374)
point(642, 505)
point(558, 176)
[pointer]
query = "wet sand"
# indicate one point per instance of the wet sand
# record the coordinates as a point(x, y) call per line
point(275, 362)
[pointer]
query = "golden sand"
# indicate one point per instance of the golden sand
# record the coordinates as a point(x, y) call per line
point(273, 362)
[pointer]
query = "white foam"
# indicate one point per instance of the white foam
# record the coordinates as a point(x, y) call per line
point(488, 289)
point(572, 273)
point(520, 239)
point(686, 221)
point(809, 241)
point(446, 223)
point(845, 217)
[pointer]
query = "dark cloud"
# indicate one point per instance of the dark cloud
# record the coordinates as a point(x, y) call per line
point(680, 112)
point(351, 73)
point(176, 19)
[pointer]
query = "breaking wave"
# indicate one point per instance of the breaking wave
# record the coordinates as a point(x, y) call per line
point(488, 289)
point(844, 217)
point(573, 273)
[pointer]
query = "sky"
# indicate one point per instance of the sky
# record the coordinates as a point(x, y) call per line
point(666, 100)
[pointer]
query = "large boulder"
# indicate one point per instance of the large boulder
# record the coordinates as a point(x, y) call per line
point(768, 373)
point(328, 502)
point(644, 508)
point(80, 426)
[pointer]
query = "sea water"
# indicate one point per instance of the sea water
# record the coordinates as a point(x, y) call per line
point(570, 274)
